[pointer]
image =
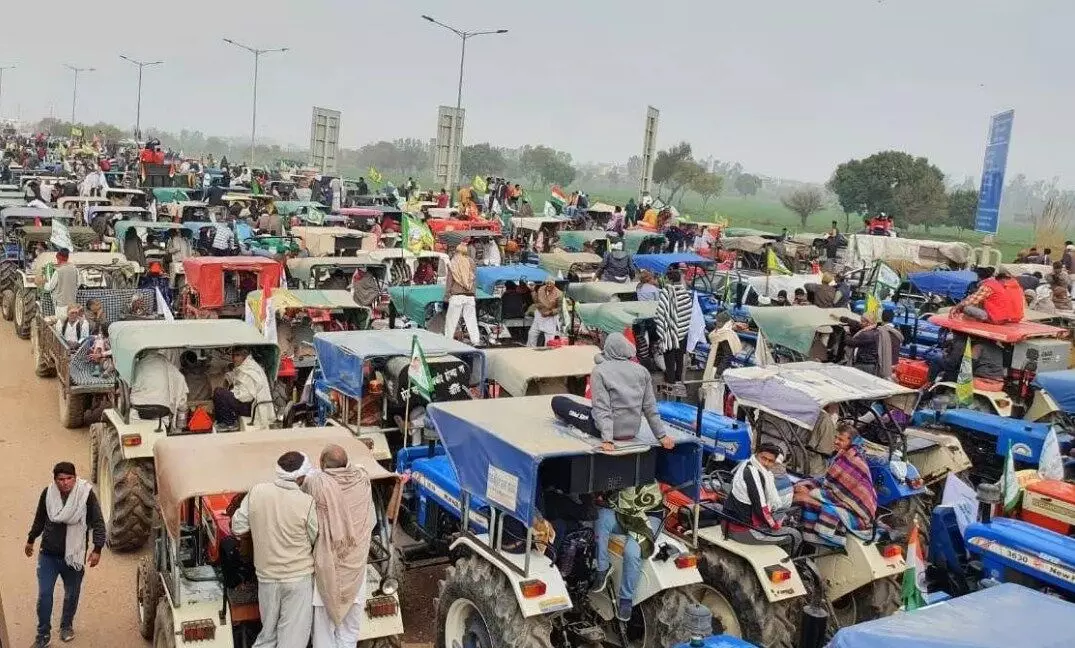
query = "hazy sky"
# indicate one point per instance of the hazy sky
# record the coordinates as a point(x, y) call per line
point(787, 87)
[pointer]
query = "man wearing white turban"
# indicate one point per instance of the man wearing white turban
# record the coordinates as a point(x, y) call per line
point(282, 521)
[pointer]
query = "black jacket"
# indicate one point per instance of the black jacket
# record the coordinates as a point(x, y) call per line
point(54, 536)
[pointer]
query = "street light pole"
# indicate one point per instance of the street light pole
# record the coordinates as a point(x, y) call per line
point(138, 110)
point(453, 174)
point(74, 90)
point(254, 113)
point(2, 68)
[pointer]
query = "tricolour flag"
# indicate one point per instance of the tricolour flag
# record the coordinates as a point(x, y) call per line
point(558, 198)
point(1009, 483)
point(965, 378)
point(914, 579)
point(418, 372)
point(774, 264)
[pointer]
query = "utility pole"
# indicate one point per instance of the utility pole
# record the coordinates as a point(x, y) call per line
point(138, 109)
point(74, 91)
point(2, 68)
point(254, 113)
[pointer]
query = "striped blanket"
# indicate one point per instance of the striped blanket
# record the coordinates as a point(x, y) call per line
point(844, 500)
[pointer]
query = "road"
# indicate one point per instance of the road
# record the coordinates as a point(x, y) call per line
point(31, 442)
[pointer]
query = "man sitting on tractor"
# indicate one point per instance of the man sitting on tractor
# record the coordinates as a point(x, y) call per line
point(844, 499)
point(998, 299)
point(755, 499)
point(249, 395)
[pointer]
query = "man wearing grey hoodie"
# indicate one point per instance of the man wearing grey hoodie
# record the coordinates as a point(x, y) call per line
point(617, 265)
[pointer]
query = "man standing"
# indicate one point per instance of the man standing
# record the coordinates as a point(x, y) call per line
point(459, 287)
point(66, 512)
point(548, 301)
point(249, 395)
point(223, 240)
point(282, 523)
point(345, 519)
point(63, 284)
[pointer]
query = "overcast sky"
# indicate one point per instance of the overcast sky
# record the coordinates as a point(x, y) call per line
point(789, 88)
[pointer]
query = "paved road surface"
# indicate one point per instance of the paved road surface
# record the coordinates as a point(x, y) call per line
point(31, 441)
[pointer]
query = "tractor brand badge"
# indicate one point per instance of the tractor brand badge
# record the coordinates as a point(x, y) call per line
point(1022, 450)
point(1042, 563)
point(554, 604)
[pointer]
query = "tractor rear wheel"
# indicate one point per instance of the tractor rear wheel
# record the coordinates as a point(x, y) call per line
point(148, 590)
point(42, 367)
point(7, 304)
point(25, 310)
point(741, 607)
point(907, 509)
point(476, 607)
point(126, 489)
point(72, 408)
point(163, 626)
point(395, 641)
point(877, 600)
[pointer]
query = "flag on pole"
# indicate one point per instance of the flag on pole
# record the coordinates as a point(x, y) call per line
point(873, 306)
point(375, 175)
point(965, 378)
point(727, 288)
point(1051, 465)
point(1009, 483)
point(696, 328)
point(774, 264)
point(558, 198)
point(416, 235)
point(418, 372)
point(914, 579)
point(162, 306)
point(479, 184)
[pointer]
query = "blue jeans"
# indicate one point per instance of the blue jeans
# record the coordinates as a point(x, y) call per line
point(49, 568)
point(607, 525)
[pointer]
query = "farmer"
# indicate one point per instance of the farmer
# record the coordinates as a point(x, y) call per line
point(997, 300)
point(673, 318)
point(73, 328)
point(548, 302)
point(67, 512)
point(282, 522)
point(756, 500)
point(876, 345)
point(62, 285)
point(844, 498)
point(617, 265)
point(459, 286)
point(249, 394)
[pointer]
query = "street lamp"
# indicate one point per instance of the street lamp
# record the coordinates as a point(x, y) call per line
point(138, 110)
point(463, 35)
point(74, 91)
point(254, 116)
point(2, 68)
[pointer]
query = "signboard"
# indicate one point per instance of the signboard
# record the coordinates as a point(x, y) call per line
point(449, 147)
point(649, 149)
point(325, 140)
point(987, 218)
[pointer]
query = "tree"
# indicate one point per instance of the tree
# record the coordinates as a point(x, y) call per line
point(685, 174)
point(804, 202)
point(482, 159)
point(668, 162)
point(413, 156)
point(747, 184)
point(707, 185)
point(891, 182)
point(533, 160)
point(962, 206)
point(556, 171)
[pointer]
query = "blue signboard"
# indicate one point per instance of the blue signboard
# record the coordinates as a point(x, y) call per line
point(996, 159)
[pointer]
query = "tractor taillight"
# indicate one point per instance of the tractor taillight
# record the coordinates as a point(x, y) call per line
point(131, 440)
point(381, 606)
point(199, 630)
point(778, 575)
point(532, 588)
point(892, 552)
point(686, 561)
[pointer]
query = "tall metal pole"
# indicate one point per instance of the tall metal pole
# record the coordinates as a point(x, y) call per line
point(457, 136)
point(2, 68)
point(138, 109)
point(254, 112)
point(74, 89)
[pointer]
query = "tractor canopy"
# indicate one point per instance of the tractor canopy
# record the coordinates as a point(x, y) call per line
point(498, 447)
point(411, 301)
point(131, 339)
point(1010, 333)
point(81, 236)
point(303, 269)
point(322, 241)
point(634, 240)
point(213, 464)
point(1061, 387)
point(794, 327)
point(170, 194)
point(489, 276)
point(798, 391)
point(659, 263)
point(206, 275)
point(100, 260)
point(342, 354)
point(534, 223)
point(1003, 616)
point(117, 213)
point(519, 370)
point(562, 262)
point(614, 317)
point(122, 226)
point(952, 284)
point(306, 300)
point(596, 292)
point(10, 216)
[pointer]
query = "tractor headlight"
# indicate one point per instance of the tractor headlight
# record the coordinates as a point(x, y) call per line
point(389, 586)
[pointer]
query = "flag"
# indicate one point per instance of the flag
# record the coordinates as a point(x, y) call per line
point(763, 356)
point(873, 307)
point(375, 175)
point(727, 288)
point(558, 198)
point(549, 211)
point(267, 316)
point(479, 184)
point(416, 235)
point(1009, 483)
point(696, 329)
point(61, 236)
point(965, 378)
point(1051, 465)
point(162, 306)
point(418, 372)
point(914, 579)
point(774, 264)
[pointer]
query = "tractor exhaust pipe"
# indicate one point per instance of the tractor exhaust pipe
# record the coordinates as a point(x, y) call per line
point(812, 624)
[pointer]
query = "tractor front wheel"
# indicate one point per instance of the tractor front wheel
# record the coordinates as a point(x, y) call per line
point(72, 408)
point(148, 590)
point(126, 490)
point(7, 304)
point(42, 367)
point(163, 626)
point(25, 310)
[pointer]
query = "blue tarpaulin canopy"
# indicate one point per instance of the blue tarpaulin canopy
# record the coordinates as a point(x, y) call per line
point(341, 354)
point(490, 276)
point(1061, 387)
point(497, 445)
point(659, 263)
point(953, 284)
point(1004, 616)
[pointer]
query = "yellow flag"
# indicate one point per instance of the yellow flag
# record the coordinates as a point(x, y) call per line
point(375, 175)
point(479, 184)
point(965, 378)
point(873, 306)
point(774, 264)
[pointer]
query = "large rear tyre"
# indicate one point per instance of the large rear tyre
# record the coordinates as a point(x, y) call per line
point(7, 304)
point(43, 368)
point(907, 509)
point(25, 310)
point(163, 626)
point(664, 615)
point(395, 641)
point(877, 600)
point(741, 608)
point(148, 590)
point(72, 408)
point(126, 491)
point(477, 608)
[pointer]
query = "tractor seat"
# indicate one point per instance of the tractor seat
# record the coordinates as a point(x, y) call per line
point(988, 385)
point(152, 412)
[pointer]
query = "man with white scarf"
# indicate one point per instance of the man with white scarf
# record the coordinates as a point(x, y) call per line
point(755, 501)
point(282, 522)
point(66, 512)
point(345, 519)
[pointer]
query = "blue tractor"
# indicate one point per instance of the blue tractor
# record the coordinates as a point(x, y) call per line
point(16, 257)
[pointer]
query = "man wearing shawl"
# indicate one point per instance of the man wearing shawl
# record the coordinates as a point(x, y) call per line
point(843, 499)
point(459, 288)
point(282, 523)
point(345, 520)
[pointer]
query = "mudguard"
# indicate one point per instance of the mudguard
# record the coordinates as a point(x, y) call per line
point(723, 437)
point(1024, 437)
point(860, 564)
point(760, 558)
point(1004, 544)
point(657, 575)
point(935, 455)
point(27, 279)
point(555, 598)
point(999, 401)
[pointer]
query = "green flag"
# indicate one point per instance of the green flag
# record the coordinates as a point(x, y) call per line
point(418, 372)
point(965, 378)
